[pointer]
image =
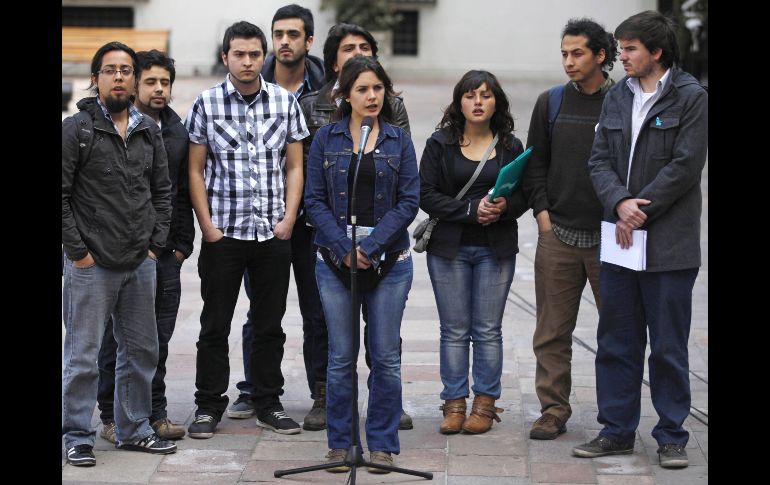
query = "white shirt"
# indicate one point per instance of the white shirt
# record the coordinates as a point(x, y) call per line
point(643, 102)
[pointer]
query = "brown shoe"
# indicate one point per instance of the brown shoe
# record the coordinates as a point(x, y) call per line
point(482, 414)
point(547, 427)
point(167, 430)
point(337, 455)
point(380, 458)
point(454, 415)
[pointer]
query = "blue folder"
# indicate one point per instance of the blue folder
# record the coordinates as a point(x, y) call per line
point(509, 176)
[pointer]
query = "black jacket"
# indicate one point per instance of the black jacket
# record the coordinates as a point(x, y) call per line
point(314, 67)
point(181, 235)
point(117, 205)
point(437, 198)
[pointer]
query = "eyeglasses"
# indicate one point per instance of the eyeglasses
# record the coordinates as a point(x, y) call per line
point(111, 70)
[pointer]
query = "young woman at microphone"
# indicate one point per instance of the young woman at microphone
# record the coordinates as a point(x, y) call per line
point(386, 202)
point(472, 251)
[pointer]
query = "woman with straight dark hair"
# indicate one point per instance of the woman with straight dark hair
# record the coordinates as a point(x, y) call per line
point(387, 197)
point(472, 251)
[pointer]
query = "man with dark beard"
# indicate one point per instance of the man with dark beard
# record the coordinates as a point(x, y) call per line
point(116, 210)
point(155, 78)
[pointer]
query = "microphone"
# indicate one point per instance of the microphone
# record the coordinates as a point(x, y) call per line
point(366, 128)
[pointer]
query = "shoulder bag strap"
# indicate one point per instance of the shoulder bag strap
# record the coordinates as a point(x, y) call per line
point(478, 169)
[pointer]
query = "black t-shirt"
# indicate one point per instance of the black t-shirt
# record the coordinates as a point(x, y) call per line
point(473, 234)
point(364, 189)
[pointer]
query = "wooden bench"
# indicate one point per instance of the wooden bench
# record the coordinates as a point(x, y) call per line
point(79, 44)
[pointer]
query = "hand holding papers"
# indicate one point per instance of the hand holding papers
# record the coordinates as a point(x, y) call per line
point(634, 258)
point(509, 176)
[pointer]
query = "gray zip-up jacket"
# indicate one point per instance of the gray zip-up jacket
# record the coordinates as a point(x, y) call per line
point(117, 204)
point(669, 157)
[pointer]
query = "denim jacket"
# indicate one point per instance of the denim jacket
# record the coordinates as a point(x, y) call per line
point(396, 189)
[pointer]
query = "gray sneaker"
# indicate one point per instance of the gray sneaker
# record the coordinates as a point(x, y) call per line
point(242, 408)
point(601, 446)
point(108, 432)
point(673, 456)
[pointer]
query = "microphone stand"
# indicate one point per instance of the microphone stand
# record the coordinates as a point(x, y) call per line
point(354, 457)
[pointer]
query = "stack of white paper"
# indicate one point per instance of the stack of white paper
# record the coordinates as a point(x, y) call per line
point(634, 258)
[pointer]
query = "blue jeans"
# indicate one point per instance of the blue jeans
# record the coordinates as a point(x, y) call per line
point(634, 303)
point(471, 291)
point(314, 339)
point(167, 296)
point(386, 305)
point(90, 296)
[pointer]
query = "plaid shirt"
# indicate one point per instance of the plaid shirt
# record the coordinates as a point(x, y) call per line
point(134, 118)
point(245, 172)
point(579, 238)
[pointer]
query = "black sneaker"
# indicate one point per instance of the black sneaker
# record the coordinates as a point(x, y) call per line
point(601, 446)
point(81, 455)
point(203, 426)
point(673, 456)
point(278, 421)
point(150, 444)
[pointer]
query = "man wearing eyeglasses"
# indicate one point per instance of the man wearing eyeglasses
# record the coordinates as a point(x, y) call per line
point(155, 79)
point(116, 211)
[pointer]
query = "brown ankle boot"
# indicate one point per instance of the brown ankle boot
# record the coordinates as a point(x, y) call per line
point(454, 415)
point(482, 413)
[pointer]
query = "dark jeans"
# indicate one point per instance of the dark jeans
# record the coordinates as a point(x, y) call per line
point(166, 307)
point(314, 337)
point(634, 303)
point(221, 266)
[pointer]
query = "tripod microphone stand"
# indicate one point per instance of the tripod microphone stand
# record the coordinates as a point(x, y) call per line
point(354, 456)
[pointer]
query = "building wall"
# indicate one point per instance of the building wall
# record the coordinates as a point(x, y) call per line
point(197, 26)
point(511, 38)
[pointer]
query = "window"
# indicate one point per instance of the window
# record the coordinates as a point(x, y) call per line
point(97, 17)
point(405, 34)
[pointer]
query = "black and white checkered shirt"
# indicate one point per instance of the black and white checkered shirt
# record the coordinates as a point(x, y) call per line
point(245, 172)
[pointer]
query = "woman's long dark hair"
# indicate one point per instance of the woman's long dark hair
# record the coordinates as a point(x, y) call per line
point(350, 72)
point(501, 123)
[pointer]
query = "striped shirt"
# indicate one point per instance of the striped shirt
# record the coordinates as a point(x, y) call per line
point(245, 171)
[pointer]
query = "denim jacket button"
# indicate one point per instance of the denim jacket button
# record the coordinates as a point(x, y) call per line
point(380, 174)
point(376, 150)
point(379, 196)
point(326, 163)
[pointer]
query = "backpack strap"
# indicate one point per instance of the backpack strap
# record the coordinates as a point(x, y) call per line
point(555, 97)
point(85, 130)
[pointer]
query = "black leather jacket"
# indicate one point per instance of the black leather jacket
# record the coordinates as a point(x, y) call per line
point(319, 109)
